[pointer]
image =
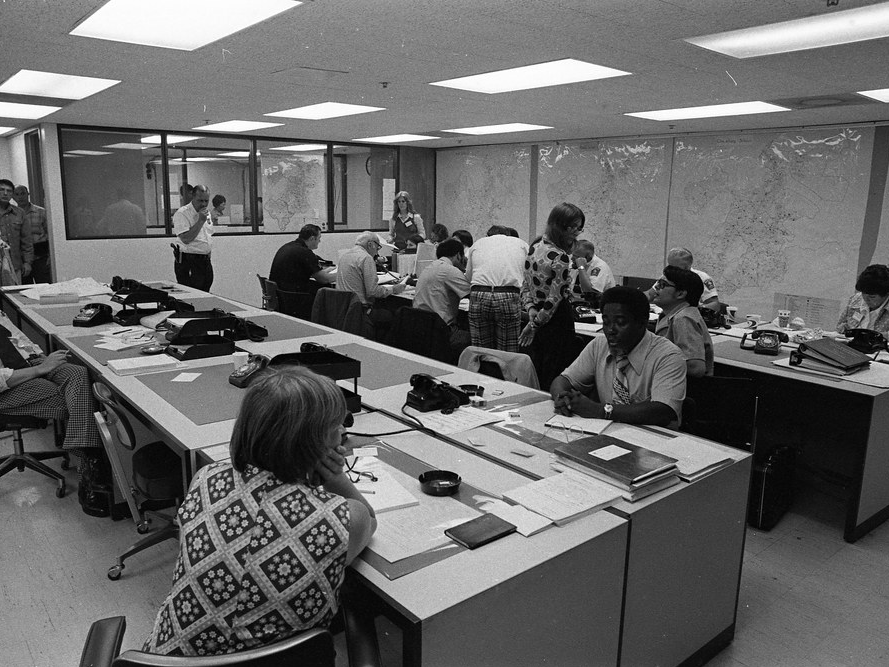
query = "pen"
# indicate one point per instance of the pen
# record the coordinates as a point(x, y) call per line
point(117, 333)
point(368, 492)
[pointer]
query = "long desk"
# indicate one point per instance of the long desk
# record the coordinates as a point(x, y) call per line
point(649, 583)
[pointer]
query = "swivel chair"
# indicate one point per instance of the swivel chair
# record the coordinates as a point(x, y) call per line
point(21, 459)
point(421, 332)
point(156, 476)
point(269, 293)
point(341, 310)
point(512, 366)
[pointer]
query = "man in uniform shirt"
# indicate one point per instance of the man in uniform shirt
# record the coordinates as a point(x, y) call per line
point(296, 268)
point(594, 276)
point(194, 230)
point(15, 231)
point(441, 286)
point(36, 216)
point(683, 258)
point(628, 374)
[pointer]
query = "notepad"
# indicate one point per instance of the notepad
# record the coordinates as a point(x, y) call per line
point(386, 494)
point(133, 365)
point(565, 496)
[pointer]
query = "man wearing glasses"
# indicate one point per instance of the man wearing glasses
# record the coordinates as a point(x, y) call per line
point(682, 258)
point(15, 231)
point(357, 272)
point(678, 293)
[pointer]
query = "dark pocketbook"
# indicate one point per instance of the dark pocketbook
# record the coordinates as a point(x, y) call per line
point(480, 530)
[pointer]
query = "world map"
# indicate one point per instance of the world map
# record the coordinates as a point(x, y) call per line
point(293, 192)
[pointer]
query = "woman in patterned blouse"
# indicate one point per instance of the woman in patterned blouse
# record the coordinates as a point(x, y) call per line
point(550, 330)
point(868, 308)
point(265, 538)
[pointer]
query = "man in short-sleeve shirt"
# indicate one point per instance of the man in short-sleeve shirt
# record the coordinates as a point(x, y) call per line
point(441, 286)
point(194, 229)
point(296, 265)
point(677, 293)
point(683, 258)
point(650, 369)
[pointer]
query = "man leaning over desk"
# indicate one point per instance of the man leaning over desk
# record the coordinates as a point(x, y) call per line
point(628, 374)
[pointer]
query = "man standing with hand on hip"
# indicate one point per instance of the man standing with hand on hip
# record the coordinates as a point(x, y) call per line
point(194, 229)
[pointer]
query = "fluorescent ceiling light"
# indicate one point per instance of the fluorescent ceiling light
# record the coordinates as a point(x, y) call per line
point(300, 148)
point(812, 32)
point(132, 147)
point(171, 139)
point(177, 24)
point(82, 151)
point(499, 129)
point(4, 130)
point(396, 138)
point(200, 159)
point(555, 73)
point(237, 126)
point(235, 154)
point(881, 95)
point(710, 111)
point(28, 111)
point(325, 110)
point(49, 84)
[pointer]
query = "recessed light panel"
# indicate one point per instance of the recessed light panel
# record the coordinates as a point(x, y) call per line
point(28, 111)
point(881, 95)
point(126, 146)
point(177, 24)
point(710, 111)
point(235, 154)
point(171, 139)
point(237, 126)
point(811, 32)
point(301, 148)
point(50, 84)
point(396, 138)
point(86, 152)
point(499, 129)
point(325, 110)
point(541, 75)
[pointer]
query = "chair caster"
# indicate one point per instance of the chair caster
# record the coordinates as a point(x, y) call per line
point(143, 526)
point(114, 572)
point(60, 492)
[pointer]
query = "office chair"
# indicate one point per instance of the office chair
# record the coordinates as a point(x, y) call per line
point(341, 310)
point(269, 293)
point(156, 476)
point(296, 304)
point(421, 332)
point(725, 410)
point(21, 459)
point(512, 366)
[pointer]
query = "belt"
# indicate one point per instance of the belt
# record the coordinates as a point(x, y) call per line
point(487, 288)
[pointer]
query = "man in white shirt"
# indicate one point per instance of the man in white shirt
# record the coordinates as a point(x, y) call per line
point(495, 268)
point(682, 258)
point(194, 229)
point(441, 286)
point(593, 275)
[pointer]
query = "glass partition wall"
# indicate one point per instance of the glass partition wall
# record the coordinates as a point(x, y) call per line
point(126, 183)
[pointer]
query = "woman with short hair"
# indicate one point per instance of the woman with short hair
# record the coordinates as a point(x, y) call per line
point(266, 537)
point(867, 308)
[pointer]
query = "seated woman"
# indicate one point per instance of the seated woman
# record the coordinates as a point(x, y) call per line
point(678, 293)
point(412, 242)
point(867, 308)
point(266, 538)
point(438, 233)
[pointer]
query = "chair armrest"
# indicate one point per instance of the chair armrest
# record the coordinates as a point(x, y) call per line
point(361, 637)
point(103, 642)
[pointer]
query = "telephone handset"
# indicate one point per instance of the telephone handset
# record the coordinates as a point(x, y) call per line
point(866, 340)
point(767, 341)
point(243, 376)
point(93, 314)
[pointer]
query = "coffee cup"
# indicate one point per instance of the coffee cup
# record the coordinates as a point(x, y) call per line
point(239, 359)
point(732, 312)
point(783, 318)
point(753, 319)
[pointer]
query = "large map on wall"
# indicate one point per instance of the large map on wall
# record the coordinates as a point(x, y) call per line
point(776, 212)
point(294, 192)
point(622, 187)
point(482, 186)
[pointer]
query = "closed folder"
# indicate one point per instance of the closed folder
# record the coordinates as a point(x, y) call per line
point(830, 353)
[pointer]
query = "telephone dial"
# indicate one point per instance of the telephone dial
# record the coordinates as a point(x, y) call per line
point(766, 341)
point(243, 376)
point(866, 340)
point(93, 314)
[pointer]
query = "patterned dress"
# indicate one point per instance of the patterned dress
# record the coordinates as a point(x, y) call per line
point(259, 560)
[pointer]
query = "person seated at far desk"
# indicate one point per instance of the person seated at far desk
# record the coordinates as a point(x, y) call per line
point(357, 272)
point(267, 536)
point(441, 286)
point(296, 267)
point(677, 293)
point(683, 258)
point(867, 308)
point(412, 242)
point(628, 374)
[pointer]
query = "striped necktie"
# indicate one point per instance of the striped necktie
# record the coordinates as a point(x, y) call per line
point(620, 393)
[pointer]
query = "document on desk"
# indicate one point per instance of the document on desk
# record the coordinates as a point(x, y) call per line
point(694, 459)
point(413, 530)
point(877, 375)
point(565, 496)
point(385, 493)
point(463, 418)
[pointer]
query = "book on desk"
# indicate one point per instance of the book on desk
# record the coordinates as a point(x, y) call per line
point(829, 356)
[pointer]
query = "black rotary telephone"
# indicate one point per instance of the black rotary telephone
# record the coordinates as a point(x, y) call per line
point(93, 314)
point(866, 340)
point(767, 341)
point(243, 376)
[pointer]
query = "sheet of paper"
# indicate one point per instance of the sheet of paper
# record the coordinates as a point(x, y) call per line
point(609, 452)
point(186, 377)
point(462, 419)
point(526, 522)
point(387, 493)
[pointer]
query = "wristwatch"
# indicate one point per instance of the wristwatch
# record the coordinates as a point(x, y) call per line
point(608, 408)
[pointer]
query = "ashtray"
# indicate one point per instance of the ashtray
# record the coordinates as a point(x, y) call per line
point(473, 389)
point(439, 482)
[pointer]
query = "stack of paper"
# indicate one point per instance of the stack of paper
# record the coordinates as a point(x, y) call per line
point(133, 365)
point(694, 459)
point(124, 338)
point(564, 497)
point(386, 493)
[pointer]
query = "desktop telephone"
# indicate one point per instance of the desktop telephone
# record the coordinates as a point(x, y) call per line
point(428, 393)
point(243, 376)
point(93, 314)
point(866, 340)
point(582, 311)
point(767, 341)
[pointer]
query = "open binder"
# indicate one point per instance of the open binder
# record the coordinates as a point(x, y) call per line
point(829, 356)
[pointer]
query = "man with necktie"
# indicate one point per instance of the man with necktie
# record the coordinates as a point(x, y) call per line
point(627, 374)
